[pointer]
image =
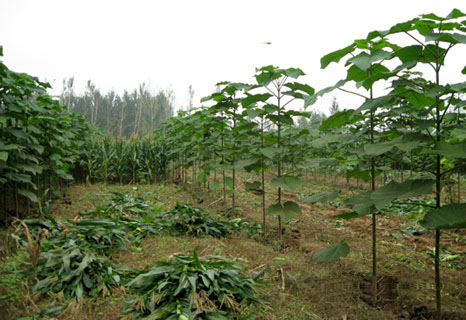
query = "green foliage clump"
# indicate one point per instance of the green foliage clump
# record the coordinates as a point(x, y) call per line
point(189, 288)
point(75, 272)
point(39, 140)
point(183, 219)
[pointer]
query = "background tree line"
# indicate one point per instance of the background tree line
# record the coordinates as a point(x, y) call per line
point(135, 113)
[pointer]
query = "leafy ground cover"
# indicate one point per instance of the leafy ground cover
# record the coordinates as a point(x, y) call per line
point(191, 288)
point(296, 286)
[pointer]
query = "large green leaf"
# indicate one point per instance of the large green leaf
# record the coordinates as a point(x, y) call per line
point(394, 190)
point(364, 60)
point(288, 183)
point(376, 149)
point(410, 53)
point(335, 56)
point(321, 197)
point(296, 86)
point(337, 120)
point(458, 135)
point(356, 74)
point(252, 99)
point(364, 175)
point(269, 152)
point(328, 89)
point(451, 216)
point(28, 194)
point(362, 203)
point(244, 163)
point(332, 253)
point(294, 73)
point(446, 37)
point(448, 150)
point(374, 104)
point(455, 14)
point(287, 211)
point(3, 156)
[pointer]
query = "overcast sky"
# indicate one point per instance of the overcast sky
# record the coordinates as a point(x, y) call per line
point(171, 44)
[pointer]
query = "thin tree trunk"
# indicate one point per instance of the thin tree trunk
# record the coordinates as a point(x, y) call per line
point(264, 229)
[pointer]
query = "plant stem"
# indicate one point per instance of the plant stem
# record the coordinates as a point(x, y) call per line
point(279, 161)
point(438, 188)
point(374, 222)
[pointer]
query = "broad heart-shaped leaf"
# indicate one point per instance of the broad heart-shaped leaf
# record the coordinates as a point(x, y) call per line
point(253, 186)
point(288, 183)
point(332, 253)
point(336, 55)
point(362, 204)
point(358, 173)
point(328, 89)
point(253, 113)
point(449, 150)
point(410, 53)
point(455, 14)
point(296, 86)
point(3, 156)
point(28, 194)
point(446, 37)
point(364, 60)
point(451, 216)
point(244, 163)
point(356, 74)
point(252, 99)
point(337, 120)
point(376, 149)
point(394, 190)
point(269, 152)
point(458, 135)
point(405, 143)
point(287, 211)
point(294, 73)
point(321, 197)
point(333, 138)
point(373, 104)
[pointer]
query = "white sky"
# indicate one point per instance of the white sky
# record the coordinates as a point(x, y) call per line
point(171, 44)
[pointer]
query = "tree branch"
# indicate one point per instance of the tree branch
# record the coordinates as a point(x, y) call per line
point(352, 92)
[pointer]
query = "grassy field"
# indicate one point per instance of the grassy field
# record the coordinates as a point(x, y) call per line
point(296, 286)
